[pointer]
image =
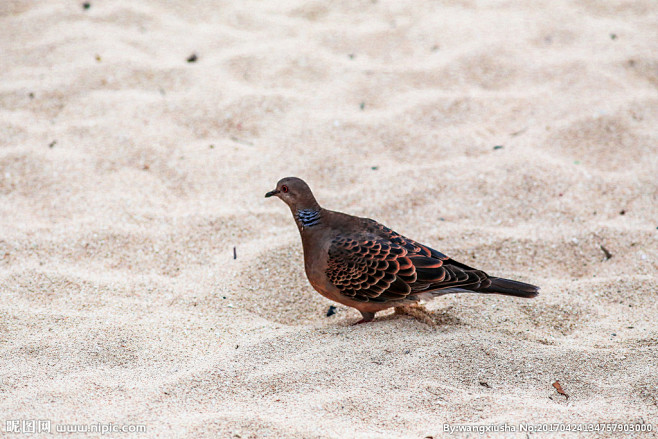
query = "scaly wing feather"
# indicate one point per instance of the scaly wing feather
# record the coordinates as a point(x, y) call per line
point(381, 265)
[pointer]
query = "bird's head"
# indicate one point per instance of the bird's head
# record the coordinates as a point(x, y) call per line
point(295, 193)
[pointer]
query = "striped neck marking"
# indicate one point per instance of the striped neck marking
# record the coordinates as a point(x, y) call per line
point(308, 217)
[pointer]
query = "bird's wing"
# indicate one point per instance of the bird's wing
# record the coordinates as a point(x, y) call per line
point(381, 265)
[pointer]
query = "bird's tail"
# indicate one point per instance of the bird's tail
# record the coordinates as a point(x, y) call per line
point(510, 287)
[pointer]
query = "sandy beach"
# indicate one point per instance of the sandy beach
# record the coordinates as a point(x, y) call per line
point(146, 281)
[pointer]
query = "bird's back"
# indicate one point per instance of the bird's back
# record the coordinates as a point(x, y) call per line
point(370, 262)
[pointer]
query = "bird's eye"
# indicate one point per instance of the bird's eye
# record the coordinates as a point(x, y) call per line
point(284, 189)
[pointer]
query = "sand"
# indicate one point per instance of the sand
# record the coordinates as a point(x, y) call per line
point(517, 137)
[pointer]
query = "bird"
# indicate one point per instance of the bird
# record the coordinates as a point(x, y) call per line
point(365, 265)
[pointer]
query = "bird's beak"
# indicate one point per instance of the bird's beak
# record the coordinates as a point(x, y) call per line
point(271, 193)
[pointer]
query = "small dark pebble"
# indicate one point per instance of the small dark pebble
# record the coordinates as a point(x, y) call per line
point(212, 146)
point(498, 147)
point(613, 36)
point(374, 168)
point(192, 58)
point(519, 132)
point(331, 311)
point(606, 252)
point(31, 95)
point(166, 393)
point(52, 144)
point(442, 219)
point(223, 297)
point(630, 327)
point(86, 5)
point(362, 105)
point(235, 253)
point(351, 55)
point(622, 212)
point(485, 384)
point(239, 140)
point(237, 346)
point(407, 351)
point(614, 335)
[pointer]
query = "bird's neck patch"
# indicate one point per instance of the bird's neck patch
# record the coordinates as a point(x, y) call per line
point(308, 217)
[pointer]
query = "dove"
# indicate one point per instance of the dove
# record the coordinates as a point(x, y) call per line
point(363, 264)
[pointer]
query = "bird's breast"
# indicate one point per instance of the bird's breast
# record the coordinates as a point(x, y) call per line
point(316, 254)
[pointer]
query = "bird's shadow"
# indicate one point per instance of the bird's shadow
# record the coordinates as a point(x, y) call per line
point(441, 318)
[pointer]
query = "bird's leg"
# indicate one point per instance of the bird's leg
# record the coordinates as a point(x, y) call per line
point(367, 317)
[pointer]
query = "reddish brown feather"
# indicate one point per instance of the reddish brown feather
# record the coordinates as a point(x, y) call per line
point(425, 262)
point(393, 266)
point(387, 266)
point(405, 263)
